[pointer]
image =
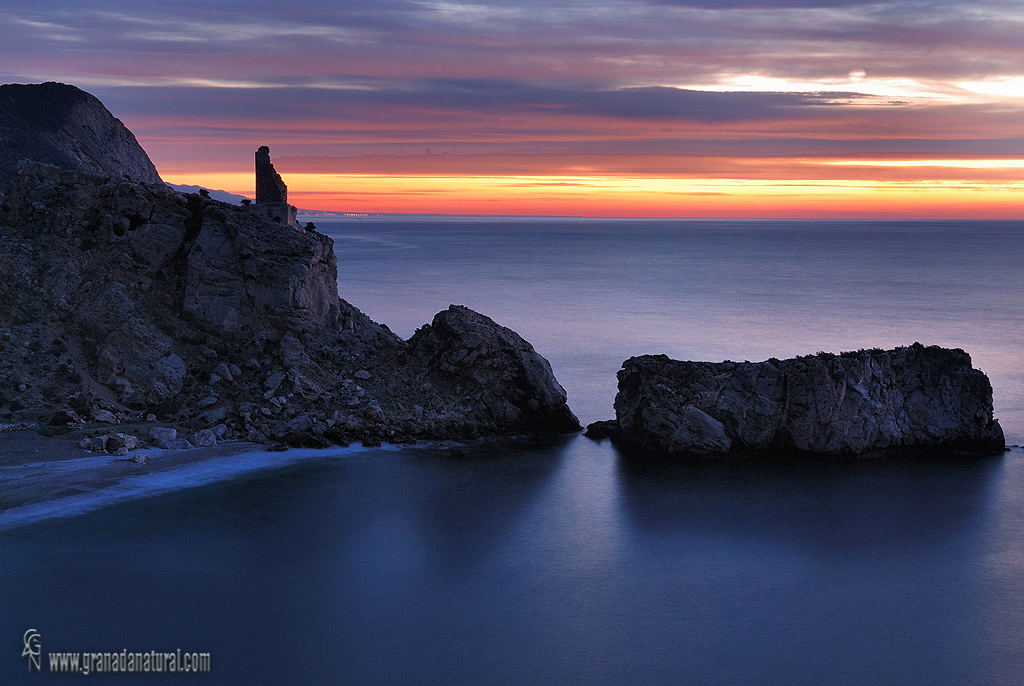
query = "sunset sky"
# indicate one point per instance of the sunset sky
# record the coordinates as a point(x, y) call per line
point(685, 108)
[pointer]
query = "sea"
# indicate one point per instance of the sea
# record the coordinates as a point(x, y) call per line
point(562, 561)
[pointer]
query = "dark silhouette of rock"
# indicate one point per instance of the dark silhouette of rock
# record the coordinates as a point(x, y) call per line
point(498, 374)
point(270, 188)
point(851, 404)
point(608, 428)
point(271, 191)
point(58, 124)
point(125, 299)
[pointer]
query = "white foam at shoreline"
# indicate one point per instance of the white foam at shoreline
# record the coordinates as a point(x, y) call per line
point(138, 486)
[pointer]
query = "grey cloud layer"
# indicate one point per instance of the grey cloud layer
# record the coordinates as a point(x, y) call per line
point(534, 75)
point(420, 99)
point(628, 42)
point(494, 115)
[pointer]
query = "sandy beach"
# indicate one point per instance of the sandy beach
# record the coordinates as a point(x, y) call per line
point(37, 470)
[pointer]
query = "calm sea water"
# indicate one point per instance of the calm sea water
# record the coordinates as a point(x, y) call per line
point(565, 563)
point(590, 293)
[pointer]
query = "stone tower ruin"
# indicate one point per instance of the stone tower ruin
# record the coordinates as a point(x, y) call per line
point(271, 192)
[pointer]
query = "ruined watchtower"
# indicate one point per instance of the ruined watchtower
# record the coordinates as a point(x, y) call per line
point(271, 193)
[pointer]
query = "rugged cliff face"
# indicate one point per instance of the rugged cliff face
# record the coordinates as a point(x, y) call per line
point(849, 404)
point(64, 126)
point(124, 299)
point(127, 299)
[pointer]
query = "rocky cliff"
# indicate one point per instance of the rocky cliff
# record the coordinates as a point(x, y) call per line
point(64, 126)
point(851, 404)
point(126, 300)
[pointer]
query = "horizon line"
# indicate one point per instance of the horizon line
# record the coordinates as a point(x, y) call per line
point(358, 215)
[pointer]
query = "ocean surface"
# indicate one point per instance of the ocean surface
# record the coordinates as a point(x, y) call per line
point(564, 562)
point(590, 293)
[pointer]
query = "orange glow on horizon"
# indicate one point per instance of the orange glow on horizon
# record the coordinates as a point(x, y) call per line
point(612, 196)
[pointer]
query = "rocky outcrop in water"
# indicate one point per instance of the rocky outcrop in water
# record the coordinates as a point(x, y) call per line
point(64, 126)
point(493, 369)
point(851, 404)
point(126, 301)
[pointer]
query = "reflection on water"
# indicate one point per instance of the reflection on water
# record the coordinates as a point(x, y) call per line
point(828, 510)
point(548, 563)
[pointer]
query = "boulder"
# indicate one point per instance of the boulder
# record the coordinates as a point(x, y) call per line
point(600, 430)
point(300, 424)
point(214, 416)
point(167, 438)
point(855, 403)
point(205, 438)
point(163, 433)
point(116, 441)
point(170, 372)
point(105, 416)
point(510, 386)
point(95, 444)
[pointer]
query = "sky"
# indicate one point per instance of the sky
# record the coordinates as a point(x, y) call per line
point(646, 108)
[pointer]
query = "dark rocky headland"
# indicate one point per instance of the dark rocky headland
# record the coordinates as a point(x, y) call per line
point(856, 403)
point(122, 300)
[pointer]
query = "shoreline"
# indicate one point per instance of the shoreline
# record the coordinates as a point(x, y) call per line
point(47, 477)
point(43, 477)
point(50, 477)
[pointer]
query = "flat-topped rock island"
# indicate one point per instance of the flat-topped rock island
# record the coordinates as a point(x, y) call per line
point(868, 402)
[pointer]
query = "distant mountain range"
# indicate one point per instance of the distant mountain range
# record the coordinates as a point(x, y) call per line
point(234, 198)
point(223, 196)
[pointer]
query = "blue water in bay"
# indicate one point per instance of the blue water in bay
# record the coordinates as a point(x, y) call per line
point(564, 562)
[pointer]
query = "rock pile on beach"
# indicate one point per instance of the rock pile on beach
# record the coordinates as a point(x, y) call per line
point(855, 403)
point(126, 300)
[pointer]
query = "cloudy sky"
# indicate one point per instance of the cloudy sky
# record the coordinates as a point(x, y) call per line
point(757, 108)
